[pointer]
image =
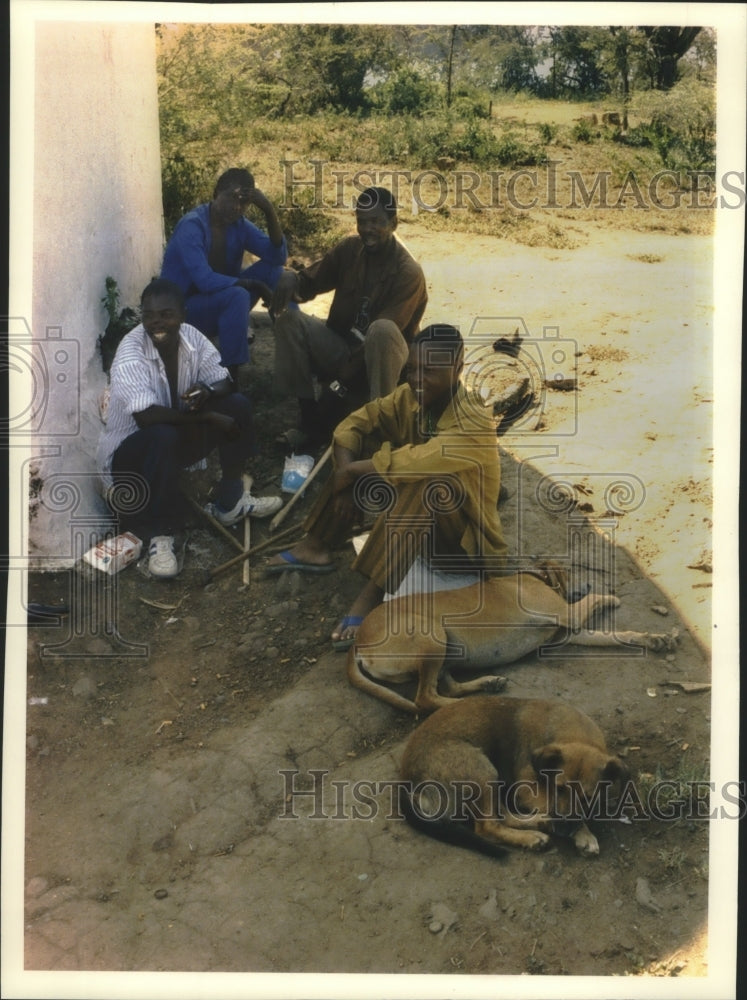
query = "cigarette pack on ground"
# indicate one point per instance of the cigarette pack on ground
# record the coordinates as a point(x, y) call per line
point(110, 555)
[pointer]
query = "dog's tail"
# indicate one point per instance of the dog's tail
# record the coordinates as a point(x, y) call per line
point(457, 832)
point(360, 680)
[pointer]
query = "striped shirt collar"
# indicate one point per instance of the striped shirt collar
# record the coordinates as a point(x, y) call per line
point(150, 351)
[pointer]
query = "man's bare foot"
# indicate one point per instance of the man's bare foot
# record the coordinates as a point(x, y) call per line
point(307, 552)
point(369, 598)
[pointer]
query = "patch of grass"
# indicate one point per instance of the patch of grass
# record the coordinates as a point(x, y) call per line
point(552, 236)
point(676, 792)
point(672, 859)
point(607, 354)
point(533, 110)
point(645, 258)
point(488, 154)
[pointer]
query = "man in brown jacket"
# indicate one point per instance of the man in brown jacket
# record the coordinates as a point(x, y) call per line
point(379, 299)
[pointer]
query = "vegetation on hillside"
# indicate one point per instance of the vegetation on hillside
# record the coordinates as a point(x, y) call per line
point(474, 100)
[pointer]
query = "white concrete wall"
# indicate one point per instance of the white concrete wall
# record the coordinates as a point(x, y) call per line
point(97, 211)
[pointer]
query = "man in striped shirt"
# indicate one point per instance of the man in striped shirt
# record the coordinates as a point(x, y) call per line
point(171, 404)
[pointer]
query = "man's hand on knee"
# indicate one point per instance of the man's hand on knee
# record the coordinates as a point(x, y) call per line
point(263, 291)
point(286, 290)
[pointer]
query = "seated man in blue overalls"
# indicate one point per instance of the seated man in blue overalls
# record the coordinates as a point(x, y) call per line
point(205, 254)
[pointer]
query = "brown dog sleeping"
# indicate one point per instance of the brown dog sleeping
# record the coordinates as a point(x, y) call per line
point(491, 772)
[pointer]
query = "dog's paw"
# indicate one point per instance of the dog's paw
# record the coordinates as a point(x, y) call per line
point(585, 841)
point(533, 840)
point(662, 642)
point(494, 683)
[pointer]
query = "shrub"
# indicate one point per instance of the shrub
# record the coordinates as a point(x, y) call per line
point(407, 92)
point(421, 140)
point(639, 137)
point(477, 143)
point(470, 107)
point(510, 151)
point(268, 99)
point(121, 321)
point(583, 131)
point(681, 125)
point(308, 229)
point(548, 131)
point(185, 183)
point(393, 145)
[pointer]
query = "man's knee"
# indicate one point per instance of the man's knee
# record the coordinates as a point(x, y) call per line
point(233, 310)
point(386, 331)
point(158, 438)
point(289, 327)
point(262, 270)
point(385, 354)
point(384, 344)
point(235, 405)
point(146, 450)
point(210, 308)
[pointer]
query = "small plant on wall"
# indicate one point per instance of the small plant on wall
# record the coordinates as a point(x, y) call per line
point(121, 321)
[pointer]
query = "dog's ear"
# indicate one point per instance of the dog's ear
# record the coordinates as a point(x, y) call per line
point(548, 758)
point(615, 770)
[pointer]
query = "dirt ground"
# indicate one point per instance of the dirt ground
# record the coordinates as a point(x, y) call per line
point(163, 829)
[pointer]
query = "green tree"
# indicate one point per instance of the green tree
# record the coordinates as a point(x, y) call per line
point(440, 46)
point(503, 57)
point(329, 65)
point(667, 45)
point(622, 52)
point(700, 59)
point(588, 61)
point(576, 62)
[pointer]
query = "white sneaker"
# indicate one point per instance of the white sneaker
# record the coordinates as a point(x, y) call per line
point(162, 562)
point(262, 506)
point(246, 505)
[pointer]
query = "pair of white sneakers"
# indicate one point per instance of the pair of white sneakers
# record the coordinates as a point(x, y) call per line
point(162, 561)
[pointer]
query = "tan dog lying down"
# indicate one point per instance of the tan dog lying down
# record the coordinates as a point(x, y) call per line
point(522, 767)
point(488, 624)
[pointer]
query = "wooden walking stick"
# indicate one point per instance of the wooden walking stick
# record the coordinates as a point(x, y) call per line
point(216, 524)
point(283, 513)
point(210, 574)
point(246, 573)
